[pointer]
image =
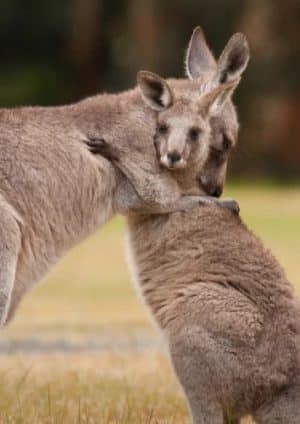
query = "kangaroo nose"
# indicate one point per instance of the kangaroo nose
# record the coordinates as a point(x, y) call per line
point(217, 191)
point(210, 186)
point(173, 157)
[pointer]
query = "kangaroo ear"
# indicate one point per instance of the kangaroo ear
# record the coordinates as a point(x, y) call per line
point(155, 90)
point(215, 99)
point(233, 60)
point(199, 58)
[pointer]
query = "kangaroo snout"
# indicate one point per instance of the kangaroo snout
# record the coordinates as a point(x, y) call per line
point(174, 157)
point(173, 160)
point(211, 187)
point(217, 191)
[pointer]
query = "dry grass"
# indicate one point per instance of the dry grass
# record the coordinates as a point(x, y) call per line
point(109, 388)
point(89, 297)
point(105, 388)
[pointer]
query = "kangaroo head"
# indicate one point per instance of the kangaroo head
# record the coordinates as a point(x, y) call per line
point(183, 130)
point(197, 125)
point(201, 65)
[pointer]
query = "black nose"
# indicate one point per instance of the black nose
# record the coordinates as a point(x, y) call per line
point(174, 157)
point(217, 191)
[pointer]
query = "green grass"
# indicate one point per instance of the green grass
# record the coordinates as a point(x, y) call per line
point(90, 295)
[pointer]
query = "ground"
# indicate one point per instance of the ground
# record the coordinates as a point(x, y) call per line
point(81, 348)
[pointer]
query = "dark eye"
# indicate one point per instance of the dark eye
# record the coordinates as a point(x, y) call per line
point(218, 157)
point(162, 129)
point(194, 133)
point(227, 143)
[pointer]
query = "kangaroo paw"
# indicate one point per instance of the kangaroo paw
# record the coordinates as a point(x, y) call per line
point(231, 204)
point(98, 146)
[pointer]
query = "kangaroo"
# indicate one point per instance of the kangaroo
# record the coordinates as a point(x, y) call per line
point(53, 193)
point(229, 314)
point(201, 64)
point(174, 148)
point(227, 310)
point(186, 126)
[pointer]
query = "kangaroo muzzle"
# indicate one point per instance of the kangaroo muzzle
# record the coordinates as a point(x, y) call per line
point(173, 160)
point(210, 186)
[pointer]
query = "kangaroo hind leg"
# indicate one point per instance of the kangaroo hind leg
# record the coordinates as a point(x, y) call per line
point(194, 376)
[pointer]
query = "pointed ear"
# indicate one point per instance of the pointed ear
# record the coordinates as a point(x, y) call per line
point(233, 60)
point(199, 58)
point(155, 90)
point(215, 99)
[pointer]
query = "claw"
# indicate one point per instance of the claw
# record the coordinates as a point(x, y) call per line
point(98, 146)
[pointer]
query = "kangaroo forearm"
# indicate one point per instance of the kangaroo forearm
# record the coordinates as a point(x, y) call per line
point(10, 244)
point(191, 202)
point(154, 193)
point(156, 190)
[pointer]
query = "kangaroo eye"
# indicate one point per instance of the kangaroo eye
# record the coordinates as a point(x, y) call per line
point(194, 133)
point(162, 128)
point(227, 143)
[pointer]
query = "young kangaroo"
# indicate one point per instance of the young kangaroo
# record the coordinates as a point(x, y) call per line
point(229, 314)
point(53, 193)
point(179, 110)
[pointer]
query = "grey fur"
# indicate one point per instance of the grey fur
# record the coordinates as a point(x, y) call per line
point(53, 193)
point(201, 64)
point(228, 312)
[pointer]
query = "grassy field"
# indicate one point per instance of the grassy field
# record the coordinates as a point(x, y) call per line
point(81, 348)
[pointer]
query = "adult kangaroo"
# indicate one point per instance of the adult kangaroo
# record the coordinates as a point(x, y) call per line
point(226, 308)
point(53, 193)
point(229, 314)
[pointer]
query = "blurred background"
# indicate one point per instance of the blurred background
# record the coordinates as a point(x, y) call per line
point(54, 52)
point(81, 348)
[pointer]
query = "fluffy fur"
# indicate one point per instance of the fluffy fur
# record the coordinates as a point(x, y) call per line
point(228, 312)
point(54, 193)
point(224, 303)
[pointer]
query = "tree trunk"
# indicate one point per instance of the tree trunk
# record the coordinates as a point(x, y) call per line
point(86, 45)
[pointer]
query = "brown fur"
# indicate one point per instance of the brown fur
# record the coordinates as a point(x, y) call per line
point(228, 312)
point(53, 193)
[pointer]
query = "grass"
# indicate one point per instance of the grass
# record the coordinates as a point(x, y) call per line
point(89, 299)
point(106, 388)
